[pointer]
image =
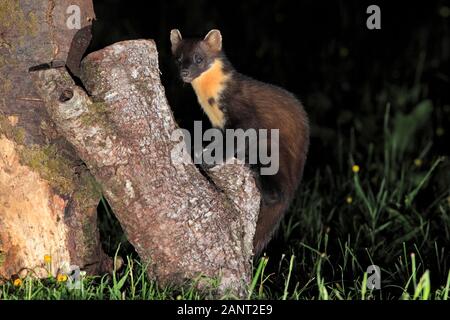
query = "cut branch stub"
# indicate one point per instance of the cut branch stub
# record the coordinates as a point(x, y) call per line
point(179, 222)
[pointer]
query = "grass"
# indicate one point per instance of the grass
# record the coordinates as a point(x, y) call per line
point(387, 206)
point(132, 284)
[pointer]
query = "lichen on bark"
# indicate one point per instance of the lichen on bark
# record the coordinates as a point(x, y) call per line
point(51, 166)
point(48, 198)
point(13, 17)
point(7, 128)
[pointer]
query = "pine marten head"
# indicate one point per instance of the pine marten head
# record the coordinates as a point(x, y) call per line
point(195, 56)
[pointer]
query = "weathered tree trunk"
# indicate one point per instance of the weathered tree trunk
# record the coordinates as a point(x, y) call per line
point(179, 222)
point(182, 224)
point(48, 198)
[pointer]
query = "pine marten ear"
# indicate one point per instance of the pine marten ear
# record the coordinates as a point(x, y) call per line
point(175, 39)
point(214, 40)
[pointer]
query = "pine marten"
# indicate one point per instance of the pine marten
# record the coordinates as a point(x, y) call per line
point(234, 101)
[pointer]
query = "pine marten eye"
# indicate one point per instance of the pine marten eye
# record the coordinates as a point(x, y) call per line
point(179, 60)
point(198, 58)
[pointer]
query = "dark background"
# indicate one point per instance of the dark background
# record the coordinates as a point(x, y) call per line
point(345, 75)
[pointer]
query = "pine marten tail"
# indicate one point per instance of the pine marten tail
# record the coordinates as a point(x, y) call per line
point(269, 219)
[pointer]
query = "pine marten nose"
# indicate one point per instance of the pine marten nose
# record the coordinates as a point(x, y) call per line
point(184, 73)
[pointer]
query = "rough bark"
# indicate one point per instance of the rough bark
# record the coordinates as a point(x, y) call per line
point(48, 198)
point(180, 223)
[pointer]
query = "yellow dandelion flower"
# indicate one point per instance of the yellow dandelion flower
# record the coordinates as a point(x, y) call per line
point(444, 11)
point(418, 162)
point(17, 282)
point(349, 199)
point(47, 258)
point(343, 52)
point(355, 168)
point(61, 278)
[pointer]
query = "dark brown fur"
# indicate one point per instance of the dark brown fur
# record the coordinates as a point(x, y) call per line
point(247, 103)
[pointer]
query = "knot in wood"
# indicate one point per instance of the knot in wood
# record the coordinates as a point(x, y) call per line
point(66, 95)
